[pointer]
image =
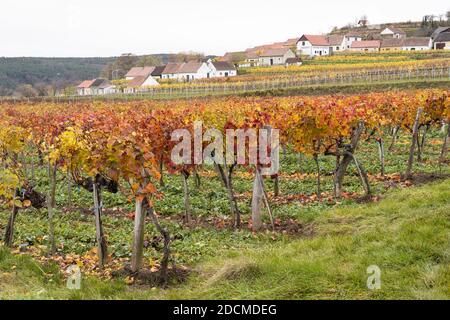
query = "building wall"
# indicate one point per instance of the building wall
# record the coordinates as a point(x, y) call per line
point(349, 40)
point(150, 82)
point(447, 45)
point(365, 49)
point(391, 49)
point(305, 48)
point(416, 48)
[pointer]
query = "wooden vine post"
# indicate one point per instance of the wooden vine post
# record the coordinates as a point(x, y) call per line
point(414, 140)
point(138, 236)
point(102, 248)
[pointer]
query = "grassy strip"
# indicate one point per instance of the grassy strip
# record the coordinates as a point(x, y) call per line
point(406, 235)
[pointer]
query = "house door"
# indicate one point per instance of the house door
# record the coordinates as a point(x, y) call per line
point(440, 46)
point(226, 74)
point(271, 62)
point(187, 78)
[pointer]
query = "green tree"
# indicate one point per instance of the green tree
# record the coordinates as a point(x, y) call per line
point(149, 60)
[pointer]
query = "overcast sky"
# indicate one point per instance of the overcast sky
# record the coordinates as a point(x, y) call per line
point(85, 28)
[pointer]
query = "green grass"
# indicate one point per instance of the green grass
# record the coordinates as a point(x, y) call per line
point(406, 235)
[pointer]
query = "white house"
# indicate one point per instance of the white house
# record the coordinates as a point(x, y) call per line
point(442, 42)
point(95, 87)
point(392, 32)
point(417, 44)
point(313, 45)
point(221, 69)
point(273, 57)
point(140, 84)
point(83, 89)
point(106, 88)
point(186, 71)
point(366, 46)
point(192, 70)
point(170, 71)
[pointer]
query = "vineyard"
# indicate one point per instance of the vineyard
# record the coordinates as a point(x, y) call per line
point(94, 184)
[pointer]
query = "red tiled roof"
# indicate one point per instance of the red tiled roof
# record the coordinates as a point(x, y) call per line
point(274, 52)
point(172, 68)
point(190, 67)
point(137, 81)
point(365, 44)
point(315, 40)
point(140, 72)
point(86, 84)
point(392, 43)
point(417, 41)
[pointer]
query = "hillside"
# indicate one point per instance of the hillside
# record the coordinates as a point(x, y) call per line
point(58, 72)
point(412, 28)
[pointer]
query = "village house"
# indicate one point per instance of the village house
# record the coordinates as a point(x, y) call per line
point(221, 69)
point(417, 44)
point(393, 44)
point(192, 70)
point(438, 31)
point(83, 89)
point(392, 32)
point(442, 42)
point(140, 84)
point(251, 59)
point(95, 87)
point(313, 45)
point(366, 46)
point(294, 61)
point(275, 57)
point(170, 70)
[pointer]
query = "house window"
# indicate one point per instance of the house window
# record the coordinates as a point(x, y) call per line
point(303, 43)
point(337, 48)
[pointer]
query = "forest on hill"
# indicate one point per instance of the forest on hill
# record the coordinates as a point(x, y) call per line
point(45, 76)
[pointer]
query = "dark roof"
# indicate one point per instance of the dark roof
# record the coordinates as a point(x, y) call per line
point(105, 84)
point(223, 66)
point(439, 30)
point(157, 72)
point(98, 82)
point(443, 37)
point(293, 60)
